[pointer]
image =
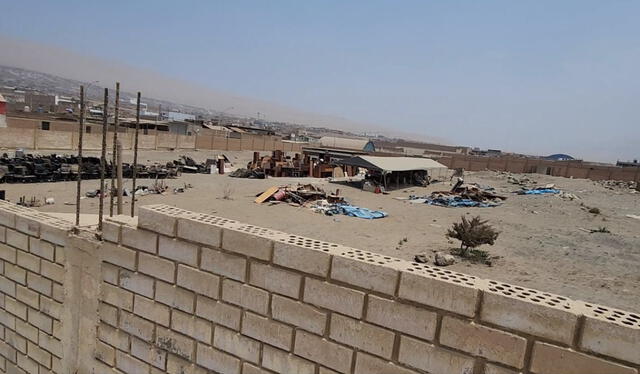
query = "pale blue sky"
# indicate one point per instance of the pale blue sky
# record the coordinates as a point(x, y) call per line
point(530, 76)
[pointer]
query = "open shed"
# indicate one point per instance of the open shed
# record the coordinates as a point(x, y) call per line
point(401, 170)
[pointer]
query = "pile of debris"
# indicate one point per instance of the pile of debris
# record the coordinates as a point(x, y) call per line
point(256, 173)
point(461, 195)
point(316, 199)
point(629, 186)
point(276, 165)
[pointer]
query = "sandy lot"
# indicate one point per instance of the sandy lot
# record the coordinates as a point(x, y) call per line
point(543, 243)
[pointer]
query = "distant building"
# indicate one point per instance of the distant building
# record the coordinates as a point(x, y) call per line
point(364, 145)
point(412, 148)
point(628, 164)
point(559, 157)
point(40, 103)
point(177, 116)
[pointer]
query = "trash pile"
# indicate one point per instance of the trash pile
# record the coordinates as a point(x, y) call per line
point(278, 164)
point(540, 190)
point(630, 186)
point(256, 173)
point(30, 168)
point(158, 188)
point(461, 195)
point(316, 199)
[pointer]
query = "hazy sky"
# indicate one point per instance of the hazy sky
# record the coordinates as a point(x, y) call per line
point(529, 76)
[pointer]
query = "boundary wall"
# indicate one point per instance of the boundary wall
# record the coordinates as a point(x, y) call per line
point(67, 140)
point(180, 292)
point(567, 169)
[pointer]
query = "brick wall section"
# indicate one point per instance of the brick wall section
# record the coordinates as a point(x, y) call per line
point(184, 292)
point(32, 273)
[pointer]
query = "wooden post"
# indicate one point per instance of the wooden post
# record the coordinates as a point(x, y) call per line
point(119, 173)
point(115, 150)
point(103, 156)
point(80, 132)
point(135, 155)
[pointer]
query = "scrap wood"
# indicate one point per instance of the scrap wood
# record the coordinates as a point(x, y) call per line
point(266, 194)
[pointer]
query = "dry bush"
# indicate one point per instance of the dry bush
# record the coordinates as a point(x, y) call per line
point(227, 192)
point(472, 233)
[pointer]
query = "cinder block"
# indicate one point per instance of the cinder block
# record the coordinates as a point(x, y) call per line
point(216, 360)
point(15, 273)
point(178, 250)
point(17, 240)
point(7, 218)
point(427, 357)
point(16, 341)
point(198, 281)
point(283, 362)
point(50, 344)
point(298, 314)
point(40, 284)
point(28, 331)
point(308, 260)
point(495, 369)
point(136, 326)
point(333, 297)
point(7, 286)
point(60, 257)
point(148, 353)
point(108, 314)
point(228, 265)
point(177, 365)
point(111, 231)
point(28, 261)
point(58, 293)
point(8, 253)
point(113, 336)
point(137, 283)
point(27, 225)
point(437, 293)
point(27, 296)
point(238, 345)
point(324, 352)
point(41, 321)
point(246, 296)
point(117, 297)
point(175, 343)
point(275, 280)
point(549, 359)
point(52, 271)
point(42, 249)
point(39, 355)
point(151, 310)
point(27, 364)
point(611, 339)
point(192, 326)
point(261, 328)
point(155, 221)
point(495, 345)
point(55, 234)
point(105, 353)
point(110, 273)
point(367, 364)
point(201, 232)
point(139, 239)
point(529, 317)
point(156, 267)
point(175, 297)
point(219, 313)
point(3, 234)
point(247, 244)
point(128, 364)
point(50, 307)
point(402, 317)
point(370, 275)
point(247, 368)
point(119, 256)
point(15, 307)
point(364, 336)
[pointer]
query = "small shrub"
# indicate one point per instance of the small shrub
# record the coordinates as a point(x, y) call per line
point(472, 233)
point(227, 192)
point(594, 210)
point(603, 230)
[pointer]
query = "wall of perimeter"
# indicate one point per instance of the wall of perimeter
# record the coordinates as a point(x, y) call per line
point(182, 292)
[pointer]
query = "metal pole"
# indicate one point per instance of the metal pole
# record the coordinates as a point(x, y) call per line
point(115, 140)
point(80, 133)
point(135, 156)
point(119, 173)
point(103, 156)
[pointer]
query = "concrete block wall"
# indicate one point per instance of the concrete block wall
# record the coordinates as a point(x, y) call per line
point(32, 273)
point(180, 292)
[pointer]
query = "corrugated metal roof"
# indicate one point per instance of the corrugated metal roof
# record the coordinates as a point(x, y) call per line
point(346, 143)
point(389, 164)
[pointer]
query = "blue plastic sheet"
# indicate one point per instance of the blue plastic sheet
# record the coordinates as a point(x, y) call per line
point(456, 202)
point(541, 191)
point(354, 211)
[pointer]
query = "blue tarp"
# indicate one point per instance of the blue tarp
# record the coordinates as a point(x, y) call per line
point(456, 202)
point(540, 191)
point(354, 211)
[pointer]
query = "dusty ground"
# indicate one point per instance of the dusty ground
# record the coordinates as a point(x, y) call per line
point(542, 244)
